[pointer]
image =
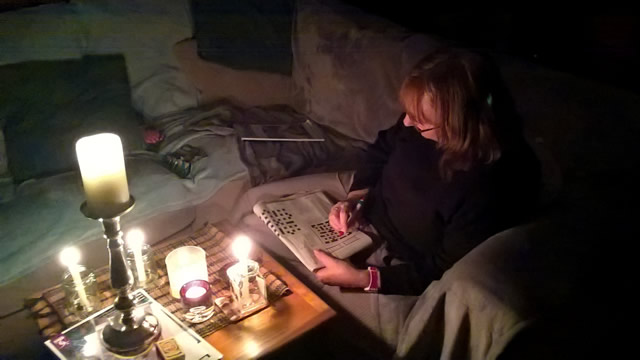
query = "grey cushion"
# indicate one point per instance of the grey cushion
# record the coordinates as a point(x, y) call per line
point(6, 181)
point(48, 105)
point(348, 67)
point(245, 34)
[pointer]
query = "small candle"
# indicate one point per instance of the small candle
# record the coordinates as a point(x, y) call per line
point(103, 173)
point(70, 257)
point(135, 239)
point(241, 248)
point(197, 301)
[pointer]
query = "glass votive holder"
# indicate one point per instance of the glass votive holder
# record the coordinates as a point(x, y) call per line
point(197, 300)
point(247, 286)
point(82, 299)
point(184, 264)
point(148, 266)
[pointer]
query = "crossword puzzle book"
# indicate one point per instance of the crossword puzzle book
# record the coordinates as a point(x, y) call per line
point(301, 222)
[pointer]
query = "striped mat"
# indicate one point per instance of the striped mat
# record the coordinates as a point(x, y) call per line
point(52, 317)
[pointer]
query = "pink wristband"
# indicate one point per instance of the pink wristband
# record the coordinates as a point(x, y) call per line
point(374, 280)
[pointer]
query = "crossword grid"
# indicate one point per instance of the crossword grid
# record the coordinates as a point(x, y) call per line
point(280, 221)
point(326, 232)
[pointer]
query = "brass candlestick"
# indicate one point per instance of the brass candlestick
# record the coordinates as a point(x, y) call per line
point(127, 334)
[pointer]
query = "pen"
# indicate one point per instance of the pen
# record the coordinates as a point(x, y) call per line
point(357, 209)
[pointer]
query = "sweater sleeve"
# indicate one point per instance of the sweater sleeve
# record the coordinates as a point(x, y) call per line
point(377, 154)
point(473, 221)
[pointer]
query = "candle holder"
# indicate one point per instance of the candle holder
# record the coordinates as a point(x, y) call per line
point(248, 287)
point(74, 302)
point(184, 264)
point(149, 267)
point(127, 334)
point(197, 300)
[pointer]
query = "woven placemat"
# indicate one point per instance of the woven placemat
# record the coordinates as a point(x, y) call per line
point(52, 316)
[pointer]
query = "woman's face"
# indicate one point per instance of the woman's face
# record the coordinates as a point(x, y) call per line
point(427, 129)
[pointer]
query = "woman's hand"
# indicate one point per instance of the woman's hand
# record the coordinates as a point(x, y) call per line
point(346, 214)
point(339, 272)
point(339, 215)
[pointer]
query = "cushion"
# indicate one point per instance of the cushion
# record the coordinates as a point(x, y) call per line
point(48, 105)
point(46, 32)
point(349, 65)
point(144, 31)
point(6, 181)
point(215, 81)
point(245, 34)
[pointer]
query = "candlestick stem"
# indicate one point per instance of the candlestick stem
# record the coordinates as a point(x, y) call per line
point(127, 334)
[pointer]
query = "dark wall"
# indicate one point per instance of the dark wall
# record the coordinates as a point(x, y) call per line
point(602, 44)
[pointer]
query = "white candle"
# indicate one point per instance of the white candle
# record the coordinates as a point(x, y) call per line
point(135, 239)
point(241, 248)
point(104, 178)
point(70, 257)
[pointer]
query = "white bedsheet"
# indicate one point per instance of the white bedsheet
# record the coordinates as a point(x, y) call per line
point(45, 214)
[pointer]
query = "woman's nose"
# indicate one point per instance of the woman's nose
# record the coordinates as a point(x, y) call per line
point(407, 121)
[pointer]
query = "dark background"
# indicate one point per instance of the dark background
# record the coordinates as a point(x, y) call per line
point(601, 44)
point(600, 41)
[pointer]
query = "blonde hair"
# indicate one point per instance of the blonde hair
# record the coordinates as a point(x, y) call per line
point(475, 111)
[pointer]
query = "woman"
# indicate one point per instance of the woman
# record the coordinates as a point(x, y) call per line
point(452, 172)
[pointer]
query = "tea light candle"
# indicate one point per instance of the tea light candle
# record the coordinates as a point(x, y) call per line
point(197, 299)
point(196, 293)
point(135, 239)
point(241, 248)
point(70, 257)
point(101, 161)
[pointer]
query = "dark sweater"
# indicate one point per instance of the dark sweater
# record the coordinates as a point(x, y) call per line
point(431, 223)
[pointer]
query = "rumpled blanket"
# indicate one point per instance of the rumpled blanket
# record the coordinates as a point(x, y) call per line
point(266, 161)
point(269, 161)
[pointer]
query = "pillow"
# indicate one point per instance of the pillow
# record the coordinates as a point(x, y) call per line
point(216, 82)
point(348, 67)
point(144, 31)
point(6, 181)
point(46, 32)
point(245, 34)
point(48, 105)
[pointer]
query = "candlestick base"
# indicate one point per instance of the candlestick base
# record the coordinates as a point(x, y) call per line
point(128, 333)
point(131, 339)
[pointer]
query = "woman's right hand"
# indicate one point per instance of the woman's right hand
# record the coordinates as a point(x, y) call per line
point(344, 214)
point(339, 215)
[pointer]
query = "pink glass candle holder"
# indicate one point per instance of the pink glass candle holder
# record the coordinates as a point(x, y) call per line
point(197, 300)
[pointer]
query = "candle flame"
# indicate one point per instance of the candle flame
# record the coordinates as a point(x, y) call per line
point(195, 292)
point(70, 256)
point(135, 238)
point(241, 247)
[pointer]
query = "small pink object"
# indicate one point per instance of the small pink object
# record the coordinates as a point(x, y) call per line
point(60, 341)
